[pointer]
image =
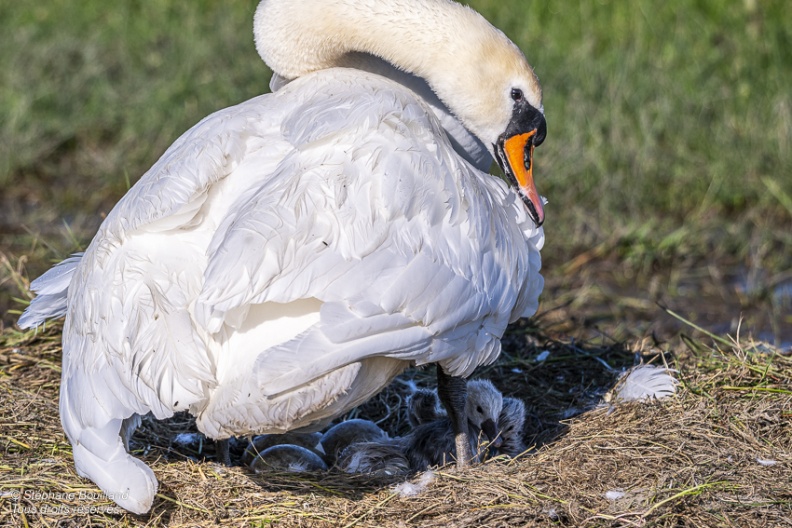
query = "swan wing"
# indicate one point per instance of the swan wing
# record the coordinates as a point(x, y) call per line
point(413, 253)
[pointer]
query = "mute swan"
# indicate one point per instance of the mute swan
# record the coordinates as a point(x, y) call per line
point(510, 427)
point(423, 406)
point(287, 257)
point(263, 442)
point(433, 443)
point(287, 457)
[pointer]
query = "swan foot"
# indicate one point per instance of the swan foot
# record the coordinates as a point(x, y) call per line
point(452, 391)
point(223, 451)
point(464, 453)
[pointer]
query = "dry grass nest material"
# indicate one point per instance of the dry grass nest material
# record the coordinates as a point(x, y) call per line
point(719, 453)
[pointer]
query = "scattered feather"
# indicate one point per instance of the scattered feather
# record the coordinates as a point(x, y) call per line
point(615, 494)
point(645, 382)
point(542, 356)
point(187, 439)
point(766, 462)
point(413, 489)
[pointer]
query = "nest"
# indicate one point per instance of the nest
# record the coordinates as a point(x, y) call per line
point(719, 452)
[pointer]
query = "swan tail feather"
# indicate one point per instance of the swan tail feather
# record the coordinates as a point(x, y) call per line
point(52, 289)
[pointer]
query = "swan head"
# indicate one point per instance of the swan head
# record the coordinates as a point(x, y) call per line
point(472, 67)
point(423, 406)
point(514, 148)
point(506, 112)
point(483, 407)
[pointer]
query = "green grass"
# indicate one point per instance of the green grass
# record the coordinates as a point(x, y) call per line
point(674, 108)
point(94, 92)
point(670, 123)
point(664, 118)
point(677, 107)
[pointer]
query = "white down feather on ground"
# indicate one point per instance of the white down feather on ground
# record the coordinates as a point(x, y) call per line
point(645, 382)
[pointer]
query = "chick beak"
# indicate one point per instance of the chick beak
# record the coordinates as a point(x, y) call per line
point(492, 432)
point(518, 151)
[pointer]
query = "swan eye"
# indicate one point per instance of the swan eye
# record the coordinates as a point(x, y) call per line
point(516, 95)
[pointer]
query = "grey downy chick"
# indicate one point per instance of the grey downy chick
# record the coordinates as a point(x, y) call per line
point(433, 443)
point(386, 457)
point(382, 458)
point(287, 457)
point(344, 434)
point(423, 406)
point(511, 423)
point(262, 442)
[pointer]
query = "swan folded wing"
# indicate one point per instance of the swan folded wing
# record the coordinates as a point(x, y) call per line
point(345, 190)
point(267, 252)
point(400, 301)
point(290, 257)
point(312, 355)
point(395, 319)
point(379, 219)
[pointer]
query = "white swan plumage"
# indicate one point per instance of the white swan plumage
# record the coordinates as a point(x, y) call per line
point(287, 257)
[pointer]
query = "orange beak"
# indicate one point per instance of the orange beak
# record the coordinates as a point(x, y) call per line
point(520, 163)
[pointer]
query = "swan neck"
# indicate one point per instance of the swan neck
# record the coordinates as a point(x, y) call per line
point(297, 38)
point(440, 41)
